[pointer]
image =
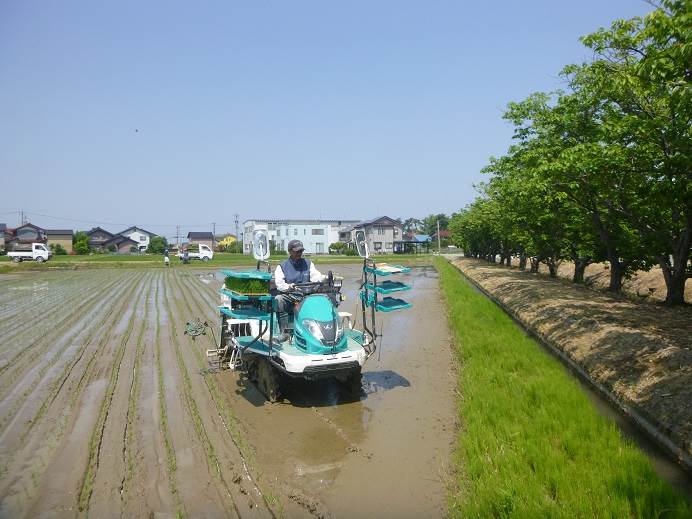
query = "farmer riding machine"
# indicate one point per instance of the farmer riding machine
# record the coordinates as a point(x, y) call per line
point(323, 341)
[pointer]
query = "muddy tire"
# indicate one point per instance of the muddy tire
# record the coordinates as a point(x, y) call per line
point(16, 259)
point(268, 381)
point(205, 259)
point(39, 260)
point(354, 382)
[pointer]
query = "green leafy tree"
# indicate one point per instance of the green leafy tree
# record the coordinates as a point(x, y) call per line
point(429, 223)
point(157, 244)
point(337, 247)
point(80, 242)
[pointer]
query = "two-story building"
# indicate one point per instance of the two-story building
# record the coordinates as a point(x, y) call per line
point(23, 236)
point(316, 235)
point(3, 228)
point(384, 234)
point(98, 237)
point(140, 236)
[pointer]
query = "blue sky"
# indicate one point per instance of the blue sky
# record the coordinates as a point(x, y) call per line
point(163, 113)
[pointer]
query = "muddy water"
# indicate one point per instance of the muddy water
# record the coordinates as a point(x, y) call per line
point(383, 454)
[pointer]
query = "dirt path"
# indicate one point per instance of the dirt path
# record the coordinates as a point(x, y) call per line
point(108, 410)
point(641, 353)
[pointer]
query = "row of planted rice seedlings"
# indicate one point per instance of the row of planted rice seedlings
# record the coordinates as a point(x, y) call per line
point(192, 405)
point(40, 315)
point(104, 326)
point(32, 331)
point(15, 391)
point(38, 294)
point(532, 444)
point(95, 443)
point(131, 418)
point(40, 448)
point(171, 463)
point(33, 355)
point(206, 307)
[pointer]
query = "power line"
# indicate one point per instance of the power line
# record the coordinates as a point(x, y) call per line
point(95, 222)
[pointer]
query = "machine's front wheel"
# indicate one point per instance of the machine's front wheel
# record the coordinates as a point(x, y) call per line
point(268, 381)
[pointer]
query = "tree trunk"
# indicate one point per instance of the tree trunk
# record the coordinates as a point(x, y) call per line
point(675, 276)
point(616, 272)
point(534, 265)
point(552, 268)
point(522, 261)
point(509, 260)
point(580, 265)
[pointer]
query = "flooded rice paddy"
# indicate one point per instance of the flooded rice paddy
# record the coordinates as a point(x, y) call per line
point(108, 410)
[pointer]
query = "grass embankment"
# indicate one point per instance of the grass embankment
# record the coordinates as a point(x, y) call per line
point(220, 260)
point(531, 444)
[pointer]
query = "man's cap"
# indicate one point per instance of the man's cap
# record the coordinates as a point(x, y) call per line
point(295, 245)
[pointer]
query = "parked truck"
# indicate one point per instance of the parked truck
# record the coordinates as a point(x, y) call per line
point(39, 252)
point(201, 252)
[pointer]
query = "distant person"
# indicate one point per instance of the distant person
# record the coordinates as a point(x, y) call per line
point(166, 259)
point(295, 269)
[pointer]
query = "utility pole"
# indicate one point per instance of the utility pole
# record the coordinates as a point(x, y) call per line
point(213, 234)
point(237, 237)
point(439, 249)
point(177, 237)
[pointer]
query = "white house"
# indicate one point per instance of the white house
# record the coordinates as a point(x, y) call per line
point(139, 235)
point(316, 235)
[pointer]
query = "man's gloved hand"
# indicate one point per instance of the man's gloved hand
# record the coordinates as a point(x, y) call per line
point(291, 286)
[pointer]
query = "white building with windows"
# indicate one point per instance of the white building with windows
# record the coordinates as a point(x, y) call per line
point(316, 235)
point(141, 236)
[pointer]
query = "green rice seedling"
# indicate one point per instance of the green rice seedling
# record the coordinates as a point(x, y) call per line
point(532, 444)
point(247, 286)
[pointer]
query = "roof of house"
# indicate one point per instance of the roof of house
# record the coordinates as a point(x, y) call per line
point(97, 229)
point(135, 228)
point(200, 236)
point(380, 220)
point(443, 234)
point(59, 231)
point(29, 225)
point(421, 237)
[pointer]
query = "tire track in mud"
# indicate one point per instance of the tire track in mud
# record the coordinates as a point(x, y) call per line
point(55, 307)
point(198, 488)
point(26, 388)
point(164, 428)
point(194, 396)
point(229, 421)
point(48, 446)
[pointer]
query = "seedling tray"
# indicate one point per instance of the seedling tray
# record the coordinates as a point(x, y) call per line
point(247, 274)
point(389, 304)
point(388, 287)
point(245, 313)
point(385, 269)
point(237, 296)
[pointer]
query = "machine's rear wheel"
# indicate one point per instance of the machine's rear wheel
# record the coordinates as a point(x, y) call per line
point(16, 259)
point(354, 382)
point(268, 381)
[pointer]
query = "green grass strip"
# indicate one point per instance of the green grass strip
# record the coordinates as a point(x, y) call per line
point(531, 443)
